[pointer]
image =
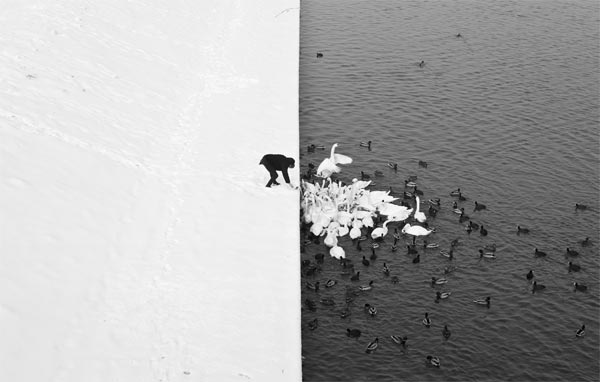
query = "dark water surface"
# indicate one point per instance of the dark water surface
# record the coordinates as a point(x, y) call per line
point(509, 113)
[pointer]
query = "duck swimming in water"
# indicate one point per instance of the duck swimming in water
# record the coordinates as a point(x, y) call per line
point(572, 252)
point(312, 286)
point(483, 301)
point(400, 340)
point(581, 331)
point(580, 206)
point(427, 320)
point(345, 313)
point(521, 230)
point(386, 269)
point(479, 206)
point(409, 183)
point(434, 202)
point(433, 361)
point(579, 287)
point(529, 275)
point(539, 253)
point(448, 254)
point(574, 267)
point(355, 277)
point(438, 281)
point(372, 310)
point(483, 231)
point(427, 245)
point(441, 296)
point(365, 144)
point(446, 332)
point(537, 287)
point(473, 225)
point(366, 287)
point(372, 346)
point(353, 333)
point(585, 242)
point(330, 283)
point(486, 255)
point(373, 253)
point(312, 325)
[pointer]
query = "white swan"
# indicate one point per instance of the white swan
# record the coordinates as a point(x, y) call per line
point(331, 238)
point(416, 230)
point(380, 232)
point(337, 252)
point(368, 221)
point(329, 165)
point(420, 216)
point(364, 202)
point(355, 232)
point(343, 230)
point(395, 212)
point(317, 229)
point(378, 197)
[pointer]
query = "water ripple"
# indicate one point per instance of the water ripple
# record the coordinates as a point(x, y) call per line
point(509, 113)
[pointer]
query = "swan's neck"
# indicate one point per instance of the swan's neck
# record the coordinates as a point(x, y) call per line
point(333, 151)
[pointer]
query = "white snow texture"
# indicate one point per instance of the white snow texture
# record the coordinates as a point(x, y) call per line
point(137, 239)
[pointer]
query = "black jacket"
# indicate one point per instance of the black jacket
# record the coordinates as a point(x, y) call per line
point(278, 162)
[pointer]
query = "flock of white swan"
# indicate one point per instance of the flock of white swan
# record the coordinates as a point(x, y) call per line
point(334, 210)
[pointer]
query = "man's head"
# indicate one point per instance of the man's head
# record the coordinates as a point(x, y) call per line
point(291, 162)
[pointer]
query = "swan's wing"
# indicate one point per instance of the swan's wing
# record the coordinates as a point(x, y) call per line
point(391, 209)
point(322, 166)
point(360, 184)
point(420, 231)
point(342, 159)
point(327, 167)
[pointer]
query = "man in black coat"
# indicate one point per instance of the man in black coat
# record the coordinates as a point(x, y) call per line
point(277, 162)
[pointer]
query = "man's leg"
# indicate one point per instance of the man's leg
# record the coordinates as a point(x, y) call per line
point(272, 173)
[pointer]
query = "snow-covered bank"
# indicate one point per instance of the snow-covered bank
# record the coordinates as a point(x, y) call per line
point(138, 241)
